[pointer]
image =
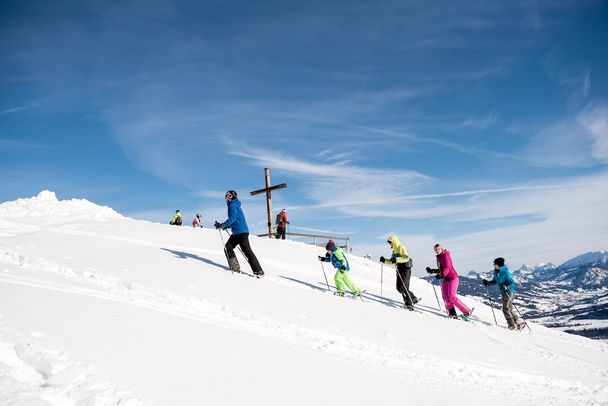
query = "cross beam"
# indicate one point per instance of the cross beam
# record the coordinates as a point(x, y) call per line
point(268, 189)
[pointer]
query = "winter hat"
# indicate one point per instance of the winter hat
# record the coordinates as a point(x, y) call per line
point(232, 194)
point(330, 246)
point(499, 261)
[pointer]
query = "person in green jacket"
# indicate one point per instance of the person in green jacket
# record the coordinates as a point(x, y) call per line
point(177, 219)
point(339, 261)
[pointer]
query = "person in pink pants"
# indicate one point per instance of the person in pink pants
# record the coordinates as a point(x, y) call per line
point(449, 287)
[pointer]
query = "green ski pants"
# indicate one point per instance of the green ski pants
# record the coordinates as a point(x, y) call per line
point(342, 280)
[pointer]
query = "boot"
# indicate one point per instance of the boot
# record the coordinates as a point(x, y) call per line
point(452, 314)
point(233, 264)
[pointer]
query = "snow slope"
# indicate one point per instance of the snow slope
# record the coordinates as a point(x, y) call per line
point(99, 309)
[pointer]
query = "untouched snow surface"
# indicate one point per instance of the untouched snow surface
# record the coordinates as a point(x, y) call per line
point(99, 309)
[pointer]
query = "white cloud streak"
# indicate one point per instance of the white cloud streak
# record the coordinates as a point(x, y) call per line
point(579, 141)
point(20, 108)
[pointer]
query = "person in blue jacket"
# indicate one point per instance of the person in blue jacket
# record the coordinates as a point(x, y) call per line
point(240, 235)
point(506, 286)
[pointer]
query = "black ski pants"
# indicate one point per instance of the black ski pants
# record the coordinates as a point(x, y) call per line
point(242, 240)
point(404, 273)
point(280, 233)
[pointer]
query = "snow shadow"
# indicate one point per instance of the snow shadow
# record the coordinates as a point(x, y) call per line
point(186, 255)
point(310, 285)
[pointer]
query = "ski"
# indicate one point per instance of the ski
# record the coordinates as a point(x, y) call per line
point(359, 295)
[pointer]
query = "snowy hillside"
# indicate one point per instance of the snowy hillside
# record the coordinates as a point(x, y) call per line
point(99, 309)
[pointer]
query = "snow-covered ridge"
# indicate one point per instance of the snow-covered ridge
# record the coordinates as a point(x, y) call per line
point(46, 204)
point(590, 258)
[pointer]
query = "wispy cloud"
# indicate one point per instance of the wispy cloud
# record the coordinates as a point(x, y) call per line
point(479, 122)
point(19, 109)
point(576, 141)
point(567, 219)
point(443, 143)
point(594, 118)
point(354, 183)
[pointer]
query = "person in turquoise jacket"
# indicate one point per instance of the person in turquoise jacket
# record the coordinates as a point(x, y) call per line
point(336, 256)
point(506, 285)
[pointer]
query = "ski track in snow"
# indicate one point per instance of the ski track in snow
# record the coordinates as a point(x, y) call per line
point(408, 364)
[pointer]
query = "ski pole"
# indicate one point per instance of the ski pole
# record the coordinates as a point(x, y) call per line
point(405, 287)
point(522, 317)
point(225, 252)
point(324, 274)
point(491, 307)
point(436, 297)
point(381, 278)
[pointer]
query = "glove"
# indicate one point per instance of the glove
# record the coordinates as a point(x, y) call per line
point(505, 287)
point(217, 225)
point(321, 258)
point(288, 222)
point(382, 259)
point(393, 261)
point(485, 282)
point(429, 270)
point(438, 276)
point(343, 269)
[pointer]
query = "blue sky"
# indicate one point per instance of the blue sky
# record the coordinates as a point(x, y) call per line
point(481, 125)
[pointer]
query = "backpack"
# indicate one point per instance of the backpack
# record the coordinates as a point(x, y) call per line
point(279, 219)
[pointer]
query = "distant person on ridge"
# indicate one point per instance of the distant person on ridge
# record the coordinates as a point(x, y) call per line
point(338, 260)
point(449, 286)
point(401, 258)
point(506, 287)
point(240, 235)
point(177, 219)
point(282, 222)
point(196, 223)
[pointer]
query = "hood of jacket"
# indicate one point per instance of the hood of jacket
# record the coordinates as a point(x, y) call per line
point(393, 239)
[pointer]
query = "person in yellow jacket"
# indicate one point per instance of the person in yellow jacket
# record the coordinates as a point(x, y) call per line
point(177, 219)
point(403, 262)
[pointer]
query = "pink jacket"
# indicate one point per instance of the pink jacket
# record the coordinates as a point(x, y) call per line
point(444, 262)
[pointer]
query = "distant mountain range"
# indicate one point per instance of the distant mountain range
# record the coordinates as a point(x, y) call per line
point(572, 297)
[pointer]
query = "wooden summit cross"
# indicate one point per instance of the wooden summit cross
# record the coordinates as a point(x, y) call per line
point(268, 189)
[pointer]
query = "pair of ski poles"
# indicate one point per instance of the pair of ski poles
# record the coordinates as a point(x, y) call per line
point(405, 288)
point(511, 303)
